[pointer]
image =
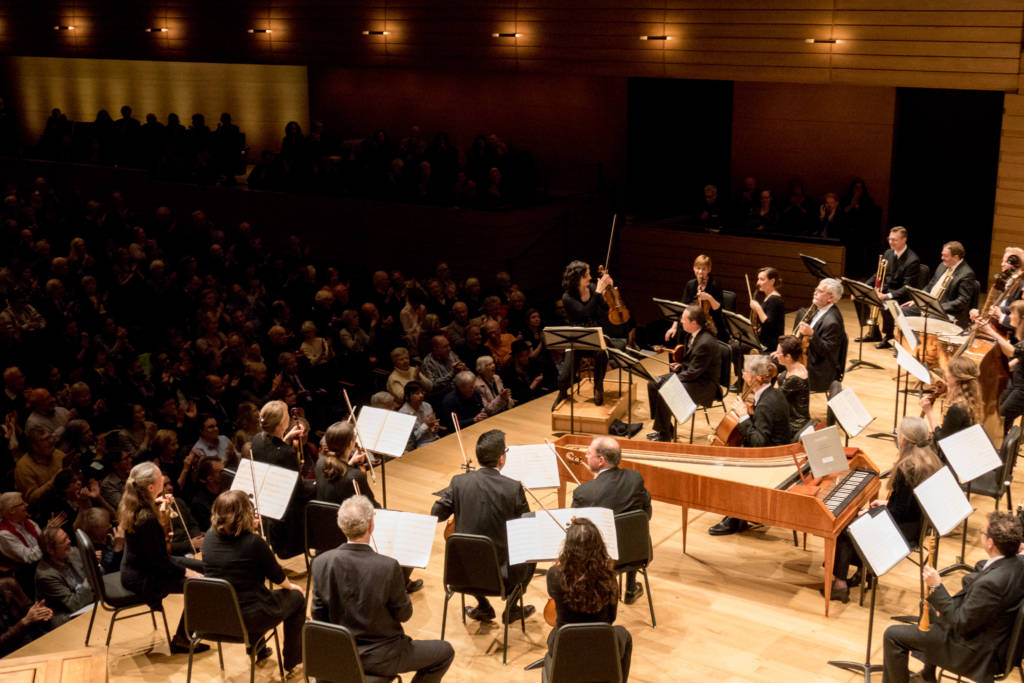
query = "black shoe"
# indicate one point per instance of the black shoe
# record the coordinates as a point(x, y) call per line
point(515, 614)
point(180, 647)
point(855, 579)
point(657, 436)
point(838, 594)
point(478, 614)
point(884, 344)
point(633, 594)
point(872, 337)
point(728, 525)
point(414, 586)
point(736, 387)
point(599, 397)
point(264, 653)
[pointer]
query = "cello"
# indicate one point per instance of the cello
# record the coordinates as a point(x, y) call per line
point(727, 432)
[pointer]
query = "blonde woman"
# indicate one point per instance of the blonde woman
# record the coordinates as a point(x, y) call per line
point(276, 445)
point(963, 400)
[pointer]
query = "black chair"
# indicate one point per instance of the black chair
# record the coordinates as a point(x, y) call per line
point(632, 529)
point(997, 482)
point(583, 653)
point(329, 654)
point(212, 613)
point(110, 594)
point(471, 566)
point(1014, 651)
point(729, 300)
point(724, 379)
point(924, 273)
point(322, 531)
point(227, 478)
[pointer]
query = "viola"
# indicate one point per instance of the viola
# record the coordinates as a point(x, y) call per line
point(618, 314)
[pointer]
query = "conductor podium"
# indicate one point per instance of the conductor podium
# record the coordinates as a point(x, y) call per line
point(578, 413)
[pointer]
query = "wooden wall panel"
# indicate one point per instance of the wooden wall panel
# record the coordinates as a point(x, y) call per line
point(939, 43)
point(1008, 222)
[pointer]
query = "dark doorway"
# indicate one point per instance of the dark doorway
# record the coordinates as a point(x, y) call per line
point(944, 164)
point(679, 140)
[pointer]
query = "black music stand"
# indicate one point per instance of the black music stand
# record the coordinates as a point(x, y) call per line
point(816, 267)
point(572, 338)
point(633, 366)
point(742, 330)
point(866, 296)
point(866, 668)
point(929, 307)
point(669, 309)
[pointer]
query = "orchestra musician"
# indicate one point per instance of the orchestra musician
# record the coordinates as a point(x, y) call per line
point(482, 501)
point(620, 490)
point(963, 403)
point(704, 291)
point(903, 269)
point(585, 307)
point(1011, 402)
point(792, 382)
point(699, 372)
point(999, 312)
point(826, 335)
point(768, 425)
point(147, 567)
point(915, 462)
point(339, 476)
point(955, 281)
point(233, 552)
point(771, 315)
point(364, 591)
point(274, 446)
point(584, 588)
point(968, 629)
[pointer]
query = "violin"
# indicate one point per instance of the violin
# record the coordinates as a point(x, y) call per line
point(163, 515)
point(618, 314)
point(938, 390)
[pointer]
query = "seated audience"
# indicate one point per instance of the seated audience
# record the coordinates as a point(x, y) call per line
point(61, 581)
point(21, 620)
point(427, 424)
point(404, 373)
point(495, 396)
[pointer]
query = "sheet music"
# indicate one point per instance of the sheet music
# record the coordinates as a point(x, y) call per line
point(970, 453)
point(850, 412)
point(385, 431)
point(903, 323)
point(879, 541)
point(539, 538)
point(405, 536)
point(534, 465)
point(274, 486)
point(825, 452)
point(912, 365)
point(943, 501)
point(678, 401)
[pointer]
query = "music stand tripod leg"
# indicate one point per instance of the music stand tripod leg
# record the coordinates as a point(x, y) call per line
point(895, 413)
point(960, 565)
point(866, 668)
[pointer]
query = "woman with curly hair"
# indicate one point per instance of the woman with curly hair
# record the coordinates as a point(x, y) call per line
point(585, 307)
point(584, 587)
point(963, 402)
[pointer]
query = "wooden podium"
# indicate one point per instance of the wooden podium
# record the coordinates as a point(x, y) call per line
point(590, 418)
point(85, 665)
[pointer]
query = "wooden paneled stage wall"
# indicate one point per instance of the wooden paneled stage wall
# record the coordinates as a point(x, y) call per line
point(1008, 223)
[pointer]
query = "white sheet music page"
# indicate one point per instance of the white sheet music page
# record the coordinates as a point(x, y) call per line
point(274, 486)
point(912, 365)
point(904, 325)
point(970, 453)
point(825, 452)
point(534, 465)
point(603, 519)
point(385, 431)
point(244, 475)
point(942, 499)
point(406, 536)
point(850, 412)
point(533, 539)
point(678, 401)
point(879, 540)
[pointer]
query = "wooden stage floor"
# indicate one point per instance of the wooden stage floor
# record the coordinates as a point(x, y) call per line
point(744, 607)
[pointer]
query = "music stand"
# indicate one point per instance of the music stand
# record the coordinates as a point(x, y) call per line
point(866, 296)
point(816, 267)
point(929, 307)
point(633, 366)
point(862, 530)
point(572, 338)
point(742, 330)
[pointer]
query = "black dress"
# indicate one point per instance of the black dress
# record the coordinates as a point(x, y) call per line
point(286, 535)
point(246, 562)
point(798, 395)
point(338, 490)
point(147, 568)
point(774, 325)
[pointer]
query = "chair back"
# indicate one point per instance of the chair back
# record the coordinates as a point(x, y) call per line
point(844, 347)
point(1015, 645)
point(87, 553)
point(227, 478)
point(725, 372)
point(729, 300)
point(471, 565)
point(924, 273)
point(585, 653)
point(632, 530)
point(212, 611)
point(329, 653)
point(322, 531)
point(993, 483)
point(833, 391)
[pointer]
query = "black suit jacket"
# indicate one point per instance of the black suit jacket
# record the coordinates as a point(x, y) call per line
point(364, 591)
point(901, 273)
point(769, 425)
point(961, 294)
point(618, 489)
point(482, 501)
point(824, 352)
point(701, 367)
point(974, 623)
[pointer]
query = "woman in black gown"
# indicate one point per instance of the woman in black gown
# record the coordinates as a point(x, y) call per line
point(585, 307)
point(792, 382)
point(584, 588)
point(337, 468)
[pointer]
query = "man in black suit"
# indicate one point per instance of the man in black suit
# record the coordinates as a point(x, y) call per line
point(482, 501)
point(903, 269)
point(617, 489)
point(699, 372)
point(365, 592)
point(767, 426)
point(827, 336)
point(960, 293)
point(968, 630)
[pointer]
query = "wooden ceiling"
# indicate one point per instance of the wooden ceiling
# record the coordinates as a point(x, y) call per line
point(928, 43)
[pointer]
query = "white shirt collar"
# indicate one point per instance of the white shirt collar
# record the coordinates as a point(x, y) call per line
point(760, 390)
point(901, 252)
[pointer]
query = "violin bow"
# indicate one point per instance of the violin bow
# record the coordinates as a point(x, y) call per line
point(359, 439)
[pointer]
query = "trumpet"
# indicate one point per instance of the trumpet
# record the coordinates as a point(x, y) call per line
point(883, 266)
point(944, 284)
